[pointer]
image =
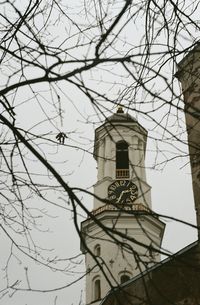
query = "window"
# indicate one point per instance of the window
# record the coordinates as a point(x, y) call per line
point(97, 250)
point(97, 289)
point(122, 161)
point(124, 278)
point(122, 155)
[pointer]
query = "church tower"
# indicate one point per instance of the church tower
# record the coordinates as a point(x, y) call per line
point(121, 236)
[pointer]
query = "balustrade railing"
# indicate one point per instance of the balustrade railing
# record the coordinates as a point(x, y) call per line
point(122, 173)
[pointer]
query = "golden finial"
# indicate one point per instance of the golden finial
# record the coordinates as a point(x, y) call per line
point(120, 109)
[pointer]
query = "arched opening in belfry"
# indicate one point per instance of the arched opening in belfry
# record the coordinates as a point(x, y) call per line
point(122, 161)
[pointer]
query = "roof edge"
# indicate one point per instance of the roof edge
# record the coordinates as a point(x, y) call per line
point(156, 266)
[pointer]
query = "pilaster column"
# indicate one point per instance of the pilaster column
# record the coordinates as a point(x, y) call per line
point(134, 158)
point(101, 160)
point(141, 153)
point(107, 172)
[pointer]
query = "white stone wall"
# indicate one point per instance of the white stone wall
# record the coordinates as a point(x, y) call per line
point(115, 258)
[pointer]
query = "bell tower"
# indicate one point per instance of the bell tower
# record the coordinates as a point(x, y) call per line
point(122, 235)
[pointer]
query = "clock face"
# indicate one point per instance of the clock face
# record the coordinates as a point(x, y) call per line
point(122, 191)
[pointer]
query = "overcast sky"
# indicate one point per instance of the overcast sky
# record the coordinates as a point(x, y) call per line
point(170, 182)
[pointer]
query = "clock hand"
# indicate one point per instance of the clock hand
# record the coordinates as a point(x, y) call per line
point(127, 191)
point(120, 197)
point(122, 193)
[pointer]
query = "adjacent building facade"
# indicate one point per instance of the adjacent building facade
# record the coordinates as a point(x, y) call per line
point(189, 75)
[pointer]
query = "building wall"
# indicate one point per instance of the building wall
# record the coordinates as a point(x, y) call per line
point(119, 255)
point(189, 76)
